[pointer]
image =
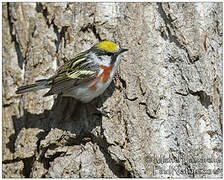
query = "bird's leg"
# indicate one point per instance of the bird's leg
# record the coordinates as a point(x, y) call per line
point(100, 110)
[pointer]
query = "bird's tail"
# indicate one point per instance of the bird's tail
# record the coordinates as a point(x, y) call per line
point(40, 84)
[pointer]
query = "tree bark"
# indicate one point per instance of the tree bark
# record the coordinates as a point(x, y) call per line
point(165, 101)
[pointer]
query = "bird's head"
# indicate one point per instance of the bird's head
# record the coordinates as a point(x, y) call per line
point(108, 48)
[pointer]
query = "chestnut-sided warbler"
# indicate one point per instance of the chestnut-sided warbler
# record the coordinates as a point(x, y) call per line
point(84, 77)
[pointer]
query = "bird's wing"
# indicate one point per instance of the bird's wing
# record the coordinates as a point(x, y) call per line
point(75, 71)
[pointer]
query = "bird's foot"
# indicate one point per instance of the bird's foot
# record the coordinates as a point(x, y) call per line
point(103, 111)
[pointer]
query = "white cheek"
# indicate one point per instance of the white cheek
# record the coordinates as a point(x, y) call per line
point(103, 60)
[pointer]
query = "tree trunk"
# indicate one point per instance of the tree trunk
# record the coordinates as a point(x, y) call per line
point(165, 102)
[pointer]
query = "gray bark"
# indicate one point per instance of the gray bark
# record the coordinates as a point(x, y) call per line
point(165, 101)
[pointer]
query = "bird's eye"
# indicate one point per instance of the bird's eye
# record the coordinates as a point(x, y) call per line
point(109, 53)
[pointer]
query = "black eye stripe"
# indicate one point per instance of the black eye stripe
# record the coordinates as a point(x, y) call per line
point(109, 53)
point(105, 53)
point(102, 52)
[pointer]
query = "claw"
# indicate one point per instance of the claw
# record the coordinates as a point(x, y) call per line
point(102, 111)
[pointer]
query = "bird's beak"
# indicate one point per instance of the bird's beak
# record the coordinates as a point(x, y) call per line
point(122, 50)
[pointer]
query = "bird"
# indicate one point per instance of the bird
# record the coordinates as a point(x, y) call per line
point(84, 77)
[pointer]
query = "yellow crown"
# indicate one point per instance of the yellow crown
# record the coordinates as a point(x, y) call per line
point(107, 46)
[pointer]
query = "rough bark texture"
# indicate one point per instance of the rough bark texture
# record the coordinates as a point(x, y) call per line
point(165, 102)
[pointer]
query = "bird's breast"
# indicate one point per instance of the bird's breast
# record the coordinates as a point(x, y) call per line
point(104, 76)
